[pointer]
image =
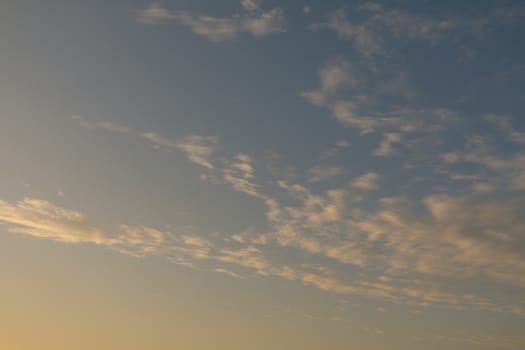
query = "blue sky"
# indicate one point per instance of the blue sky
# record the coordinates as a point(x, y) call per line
point(353, 168)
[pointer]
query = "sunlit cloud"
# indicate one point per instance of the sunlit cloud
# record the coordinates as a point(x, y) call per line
point(197, 148)
point(42, 219)
point(367, 182)
point(251, 20)
point(386, 147)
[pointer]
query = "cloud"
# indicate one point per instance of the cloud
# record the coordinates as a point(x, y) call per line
point(333, 76)
point(101, 124)
point(323, 173)
point(155, 13)
point(158, 140)
point(462, 237)
point(269, 22)
point(367, 182)
point(398, 249)
point(42, 219)
point(365, 40)
point(509, 168)
point(366, 86)
point(199, 149)
point(239, 173)
point(229, 273)
point(448, 241)
point(386, 148)
point(504, 124)
point(252, 20)
point(373, 28)
point(251, 5)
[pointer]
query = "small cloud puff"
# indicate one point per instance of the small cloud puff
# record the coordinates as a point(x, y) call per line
point(367, 182)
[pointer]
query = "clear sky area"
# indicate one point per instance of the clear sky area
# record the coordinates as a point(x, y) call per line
point(249, 174)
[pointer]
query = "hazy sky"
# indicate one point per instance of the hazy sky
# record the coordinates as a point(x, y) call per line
point(252, 174)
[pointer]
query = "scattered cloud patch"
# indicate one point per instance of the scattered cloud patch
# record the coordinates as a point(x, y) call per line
point(199, 149)
point(333, 76)
point(386, 147)
point(42, 219)
point(101, 124)
point(367, 182)
point(373, 27)
point(323, 173)
point(251, 20)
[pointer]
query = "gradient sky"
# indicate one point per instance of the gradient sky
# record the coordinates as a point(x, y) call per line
point(262, 175)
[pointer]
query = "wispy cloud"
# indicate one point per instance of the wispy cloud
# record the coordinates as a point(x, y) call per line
point(322, 173)
point(470, 237)
point(251, 19)
point(367, 182)
point(101, 124)
point(504, 124)
point(351, 94)
point(386, 147)
point(239, 172)
point(42, 219)
point(372, 27)
point(333, 76)
point(197, 148)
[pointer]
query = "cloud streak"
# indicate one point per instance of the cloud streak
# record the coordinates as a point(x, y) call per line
point(199, 149)
point(251, 20)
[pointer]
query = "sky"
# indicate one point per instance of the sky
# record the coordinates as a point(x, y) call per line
point(262, 175)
